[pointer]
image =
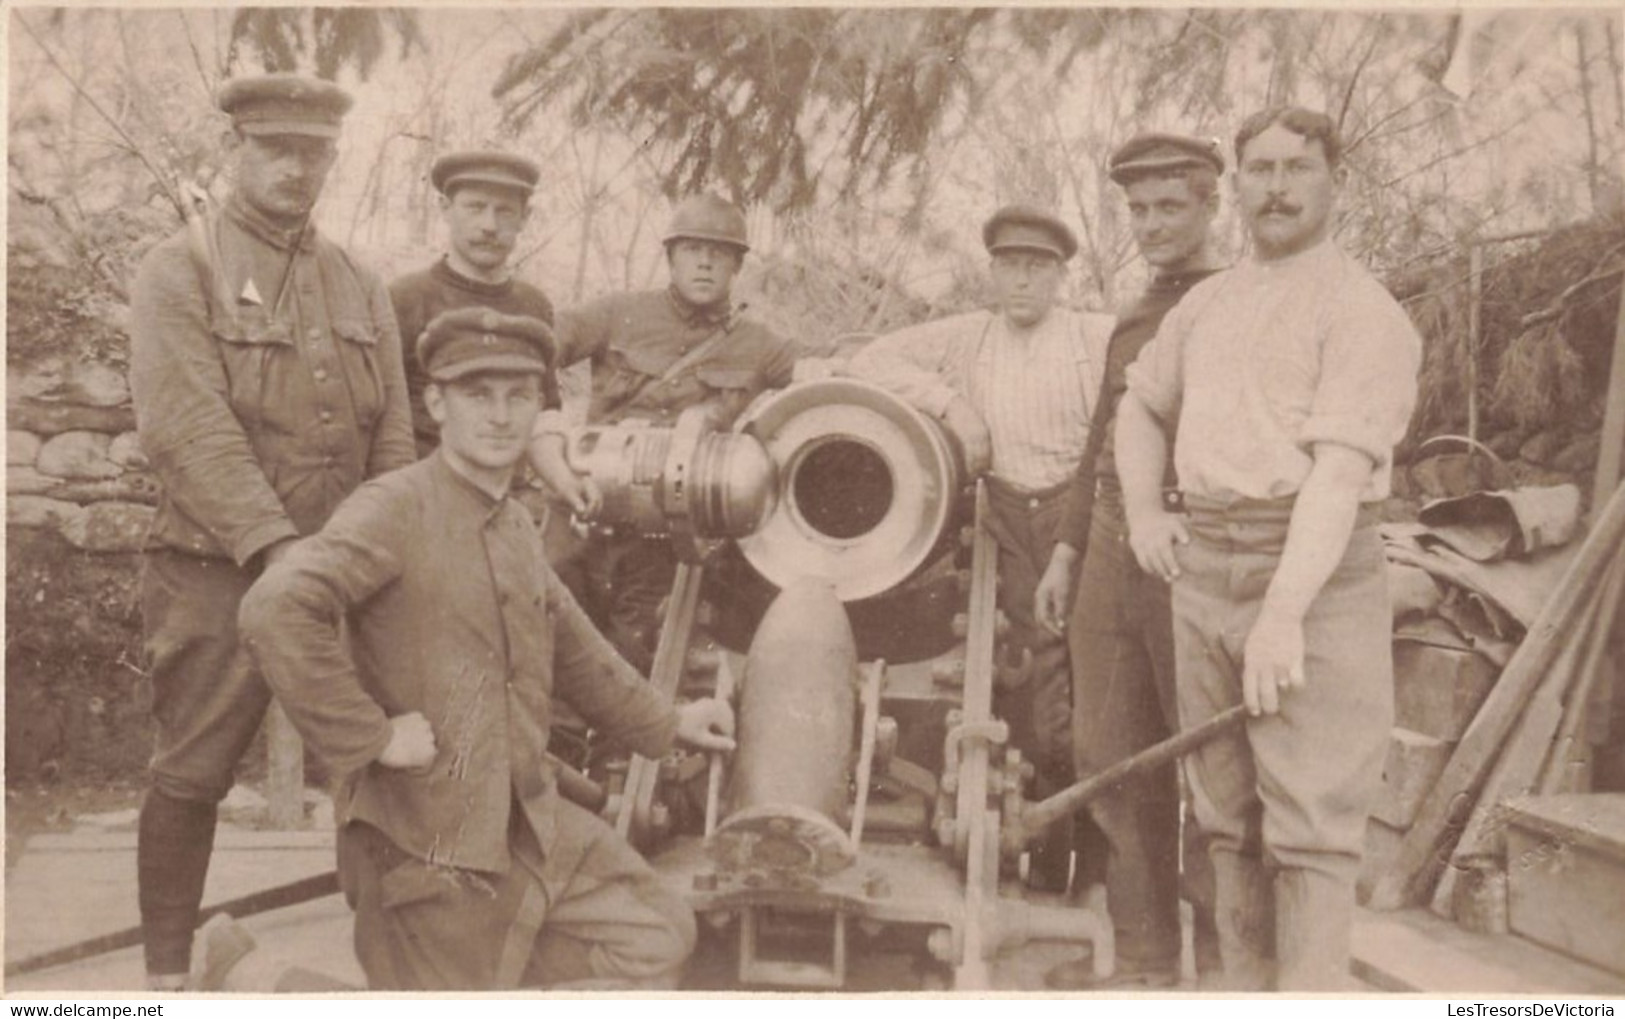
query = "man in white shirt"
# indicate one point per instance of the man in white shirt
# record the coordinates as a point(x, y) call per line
point(1286, 381)
point(1015, 385)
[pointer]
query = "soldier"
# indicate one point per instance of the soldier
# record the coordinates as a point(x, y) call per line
point(1121, 630)
point(1015, 386)
point(1290, 378)
point(267, 378)
point(485, 198)
point(654, 354)
point(466, 868)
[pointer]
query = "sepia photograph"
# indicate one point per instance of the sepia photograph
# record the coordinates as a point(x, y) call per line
point(839, 501)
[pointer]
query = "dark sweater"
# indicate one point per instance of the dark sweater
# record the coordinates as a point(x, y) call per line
point(1135, 328)
point(420, 296)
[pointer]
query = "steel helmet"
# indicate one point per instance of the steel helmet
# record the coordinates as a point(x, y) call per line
point(708, 218)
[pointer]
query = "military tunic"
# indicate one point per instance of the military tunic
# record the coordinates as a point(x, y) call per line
point(455, 614)
point(258, 421)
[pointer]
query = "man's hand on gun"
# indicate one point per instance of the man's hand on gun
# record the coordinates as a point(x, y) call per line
point(971, 431)
point(706, 725)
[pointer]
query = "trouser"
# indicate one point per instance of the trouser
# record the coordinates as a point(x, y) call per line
point(1120, 632)
point(1036, 702)
point(587, 914)
point(1284, 802)
point(622, 581)
point(207, 703)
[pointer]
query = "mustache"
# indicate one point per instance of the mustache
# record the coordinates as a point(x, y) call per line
point(1278, 206)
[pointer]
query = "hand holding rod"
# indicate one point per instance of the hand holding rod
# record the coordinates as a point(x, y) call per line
point(1037, 816)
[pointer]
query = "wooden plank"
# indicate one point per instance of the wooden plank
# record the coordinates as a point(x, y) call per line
point(1412, 767)
point(1415, 951)
point(1446, 811)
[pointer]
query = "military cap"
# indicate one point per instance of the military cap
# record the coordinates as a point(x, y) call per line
point(499, 169)
point(285, 104)
point(463, 341)
point(1026, 227)
point(1159, 153)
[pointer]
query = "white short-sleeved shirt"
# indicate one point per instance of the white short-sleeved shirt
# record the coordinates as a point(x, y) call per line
point(1259, 363)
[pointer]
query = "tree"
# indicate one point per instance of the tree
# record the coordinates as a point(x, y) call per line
point(328, 38)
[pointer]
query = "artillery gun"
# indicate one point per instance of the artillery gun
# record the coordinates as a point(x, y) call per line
point(837, 580)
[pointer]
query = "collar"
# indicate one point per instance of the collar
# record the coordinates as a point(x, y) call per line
point(487, 504)
point(1181, 280)
point(720, 314)
point(443, 271)
point(256, 223)
point(1320, 252)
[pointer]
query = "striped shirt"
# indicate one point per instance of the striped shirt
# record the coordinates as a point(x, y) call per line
point(1033, 387)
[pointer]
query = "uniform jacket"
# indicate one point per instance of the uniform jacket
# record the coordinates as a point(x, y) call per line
point(258, 423)
point(633, 339)
point(454, 613)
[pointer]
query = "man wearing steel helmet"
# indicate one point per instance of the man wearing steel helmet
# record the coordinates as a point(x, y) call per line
point(1285, 383)
point(266, 373)
point(1120, 630)
point(654, 354)
point(485, 199)
point(1015, 385)
point(429, 686)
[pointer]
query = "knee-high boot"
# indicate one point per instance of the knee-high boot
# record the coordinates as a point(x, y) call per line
point(174, 841)
point(1244, 912)
point(1313, 915)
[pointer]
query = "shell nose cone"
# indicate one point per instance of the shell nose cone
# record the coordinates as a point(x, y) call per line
point(744, 485)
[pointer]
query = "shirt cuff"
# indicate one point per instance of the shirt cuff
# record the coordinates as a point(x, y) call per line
point(1356, 432)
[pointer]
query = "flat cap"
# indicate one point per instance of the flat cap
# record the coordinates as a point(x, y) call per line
point(285, 104)
point(1028, 228)
point(1156, 152)
point(464, 341)
point(499, 169)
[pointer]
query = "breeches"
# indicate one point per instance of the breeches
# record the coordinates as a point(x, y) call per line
point(1296, 786)
point(207, 699)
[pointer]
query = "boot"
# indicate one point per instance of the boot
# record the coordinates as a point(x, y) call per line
point(173, 845)
point(1244, 914)
point(1314, 914)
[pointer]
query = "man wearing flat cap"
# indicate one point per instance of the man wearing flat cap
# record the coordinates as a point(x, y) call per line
point(266, 371)
point(1120, 628)
point(1015, 385)
point(654, 354)
point(465, 867)
point(485, 199)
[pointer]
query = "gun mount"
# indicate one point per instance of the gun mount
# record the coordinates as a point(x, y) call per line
point(838, 565)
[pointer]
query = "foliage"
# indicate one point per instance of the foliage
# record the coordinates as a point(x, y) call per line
point(74, 690)
point(745, 95)
point(329, 38)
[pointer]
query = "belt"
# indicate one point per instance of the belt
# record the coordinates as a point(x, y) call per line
point(1263, 510)
point(1033, 498)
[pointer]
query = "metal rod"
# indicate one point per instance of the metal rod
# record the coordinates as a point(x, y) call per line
point(1040, 815)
